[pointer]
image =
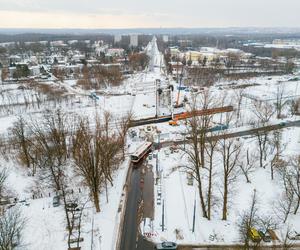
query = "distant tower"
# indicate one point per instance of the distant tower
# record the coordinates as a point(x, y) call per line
point(165, 38)
point(0, 73)
point(117, 38)
point(134, 40)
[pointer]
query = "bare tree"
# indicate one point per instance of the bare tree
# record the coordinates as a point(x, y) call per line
point(50, 141)
point(247, 220)
point(294, 179)
point(87, 158)
point(197, 131)
point(263, 111)
point(230, 150)
point(238, 96)
point(277, 148)
point(281, 102)
point(11, 228)
point(124, 125)
point(94, 155)
point(295, 106)
point(203, 76)
point(3, 177)
point(50, 136)
point(287, 243)
point(285, 204)
point(22, 139)
point(59, 73)
point(75, 208)
point(111, 146)
point(248, 166)
point(210, 149)
point(267, 222)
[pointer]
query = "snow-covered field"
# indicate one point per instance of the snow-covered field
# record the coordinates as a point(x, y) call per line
point(179, 198)
point(45, 226)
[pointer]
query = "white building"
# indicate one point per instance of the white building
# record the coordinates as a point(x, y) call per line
point(117, 38)
point(118, 52)
point(35, 70)
point(5, 45)
point(59, 43)
point(134, 40)
point(165, 38)
point(70, 42)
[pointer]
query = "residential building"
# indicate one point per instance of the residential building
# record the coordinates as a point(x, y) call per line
point(117, 38)
point(134, 41)
point(165, 38)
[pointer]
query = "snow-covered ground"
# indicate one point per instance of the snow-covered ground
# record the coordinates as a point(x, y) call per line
point(179, 198)
point(45, 227)
point(45, 224)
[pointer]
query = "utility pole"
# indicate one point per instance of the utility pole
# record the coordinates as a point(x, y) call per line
point(100, 242)
point(163, 217)
point(194, 215)
point(92, 237)
point(158, 143)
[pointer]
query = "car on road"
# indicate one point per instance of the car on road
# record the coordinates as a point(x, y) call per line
point(282, 124)
point(166, 245)
point(266, 237)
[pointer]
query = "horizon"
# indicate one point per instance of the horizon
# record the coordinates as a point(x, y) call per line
point(153, 30)
point(117, 14)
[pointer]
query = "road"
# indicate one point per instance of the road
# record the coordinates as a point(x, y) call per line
point(139, 191)
point(130, 224)
point(239, 247)
point(246, 132)
point(140, 187)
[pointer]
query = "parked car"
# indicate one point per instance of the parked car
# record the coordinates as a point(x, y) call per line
point(56, 201)
point(167, 245)
point(266, 237)
point(294, 235)
point(282, 123)
point(254, 235)
point(71, 205)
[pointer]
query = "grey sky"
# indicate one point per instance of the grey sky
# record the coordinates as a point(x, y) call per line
point(152, 13)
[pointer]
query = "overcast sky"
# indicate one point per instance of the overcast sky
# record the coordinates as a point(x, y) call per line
point(150, 13)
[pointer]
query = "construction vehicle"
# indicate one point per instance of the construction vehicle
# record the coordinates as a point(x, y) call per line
point(174, 122)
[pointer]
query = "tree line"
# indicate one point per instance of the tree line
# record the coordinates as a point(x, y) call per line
point(60, 149)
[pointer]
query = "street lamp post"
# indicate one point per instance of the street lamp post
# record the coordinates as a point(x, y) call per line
point(156, 98)
point(157, 86)
point(158, 146)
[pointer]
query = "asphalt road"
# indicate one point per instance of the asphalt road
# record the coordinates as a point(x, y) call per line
point(248, 132)
point(130, 238)
point(130, 224)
